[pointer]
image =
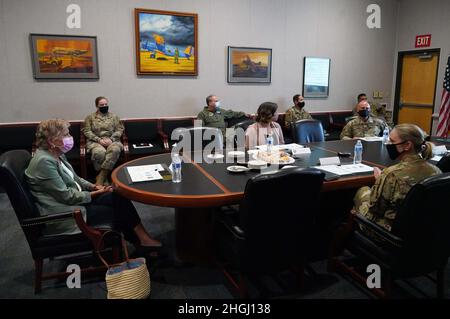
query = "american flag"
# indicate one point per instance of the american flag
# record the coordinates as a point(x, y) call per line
point(444, 112)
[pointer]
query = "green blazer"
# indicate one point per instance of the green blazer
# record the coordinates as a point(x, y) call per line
point(55, 191)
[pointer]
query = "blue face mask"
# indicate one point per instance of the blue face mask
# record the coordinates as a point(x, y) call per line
point(218, 104)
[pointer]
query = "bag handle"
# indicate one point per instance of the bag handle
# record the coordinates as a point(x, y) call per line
point(101, 242)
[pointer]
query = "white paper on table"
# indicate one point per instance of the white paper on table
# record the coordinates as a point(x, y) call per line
point(346, 169)
point(334, 160)
point(371, 138)
point(144, 173)
point(292, 147)
point(439, 150)
point(264, 147)
point(436, 158)
point(301, 152)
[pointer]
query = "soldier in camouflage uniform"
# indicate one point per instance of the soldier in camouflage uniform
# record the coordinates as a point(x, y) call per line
point(363, 125)
point(380, 203)
point(377, 110)
point(213, 116)
point(296, 112)
point(103, 131)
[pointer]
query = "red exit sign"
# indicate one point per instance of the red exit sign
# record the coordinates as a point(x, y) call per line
point(423, 41)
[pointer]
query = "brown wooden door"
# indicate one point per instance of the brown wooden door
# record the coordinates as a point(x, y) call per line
point(417, 89)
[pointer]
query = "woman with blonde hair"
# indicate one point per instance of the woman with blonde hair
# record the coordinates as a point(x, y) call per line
point(380, 203)
point(266, 118)
point(57, 188)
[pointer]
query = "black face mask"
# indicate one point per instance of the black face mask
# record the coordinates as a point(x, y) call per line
point(103, 109)
point(363, 113)
point(392, 150)
point(301, 104)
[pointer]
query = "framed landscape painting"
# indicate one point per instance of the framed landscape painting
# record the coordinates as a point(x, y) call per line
point(64, 56)
point(166, 43)
point(249, 65)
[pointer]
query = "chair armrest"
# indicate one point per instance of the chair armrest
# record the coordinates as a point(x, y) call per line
point(92, 233)
point(28, 222)
point(380, 231)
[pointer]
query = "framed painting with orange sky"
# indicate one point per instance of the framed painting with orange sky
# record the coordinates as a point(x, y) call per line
point(249, 65)
point(64, 56)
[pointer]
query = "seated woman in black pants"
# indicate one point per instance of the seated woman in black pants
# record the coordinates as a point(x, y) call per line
point(57, 188)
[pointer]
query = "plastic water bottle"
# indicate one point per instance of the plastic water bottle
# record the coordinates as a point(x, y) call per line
point(176, 168)
point(269, 143)
point(358, 153)
point(386, 135)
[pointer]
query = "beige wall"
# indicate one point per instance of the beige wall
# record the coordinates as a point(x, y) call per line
point(361, 59)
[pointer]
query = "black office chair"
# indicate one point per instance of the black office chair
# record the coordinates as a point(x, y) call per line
point(444, 163)
point(140, 133)
point(12, 167)
point(307, 131)
point(273, 227)
point(418, 244)
point(206, 135)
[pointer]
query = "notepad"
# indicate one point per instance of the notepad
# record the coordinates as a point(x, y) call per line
point(145, 173)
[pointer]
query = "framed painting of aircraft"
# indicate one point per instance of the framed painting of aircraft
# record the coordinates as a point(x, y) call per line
point(64, 56)
point(166, 43)
point(249, 65)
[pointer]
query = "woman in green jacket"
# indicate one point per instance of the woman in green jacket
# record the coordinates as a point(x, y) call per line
point(57, 188)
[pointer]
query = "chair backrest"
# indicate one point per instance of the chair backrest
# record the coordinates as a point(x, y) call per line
point(244, 124)
point(141, 130)
point(19, 136)
point(307, 131)
point(12, 169)
point(444, 164)
point(206, 135)
point(324, 118)
point(277, 216)
point(169, 125)
point(423, 222)
point(233, 121)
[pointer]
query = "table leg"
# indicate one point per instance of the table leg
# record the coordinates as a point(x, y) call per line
point(194, 235)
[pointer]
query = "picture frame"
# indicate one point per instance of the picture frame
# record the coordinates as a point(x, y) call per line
point(166, 43)
point(249, 65)
point(316, 77)
point(64, 56)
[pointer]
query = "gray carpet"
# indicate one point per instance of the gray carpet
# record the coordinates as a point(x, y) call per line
point(169, 280)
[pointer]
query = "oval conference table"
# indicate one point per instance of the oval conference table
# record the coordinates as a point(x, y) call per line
point(206, 186)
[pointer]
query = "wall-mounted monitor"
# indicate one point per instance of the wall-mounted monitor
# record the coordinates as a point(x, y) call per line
point(316, 77)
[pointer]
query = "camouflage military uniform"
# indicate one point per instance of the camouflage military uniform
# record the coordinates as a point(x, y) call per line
point(96, 127)
point(294, 114)
point(360, 128)
point(380, 112)
point(217, 119)
point(380, 203)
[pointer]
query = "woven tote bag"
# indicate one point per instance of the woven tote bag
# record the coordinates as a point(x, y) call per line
point(126, 280)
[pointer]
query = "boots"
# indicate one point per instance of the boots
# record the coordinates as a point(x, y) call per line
point(102, 177)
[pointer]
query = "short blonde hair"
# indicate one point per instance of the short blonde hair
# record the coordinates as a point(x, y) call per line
point(49, 129)
point(414, 134)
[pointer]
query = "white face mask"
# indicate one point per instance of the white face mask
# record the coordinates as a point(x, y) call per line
point(218, 104)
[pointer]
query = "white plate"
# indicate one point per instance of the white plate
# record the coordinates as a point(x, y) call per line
point(235, 154)
point(237, 169)
point(289, 166)
point(289, 161)
point(215, 156)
